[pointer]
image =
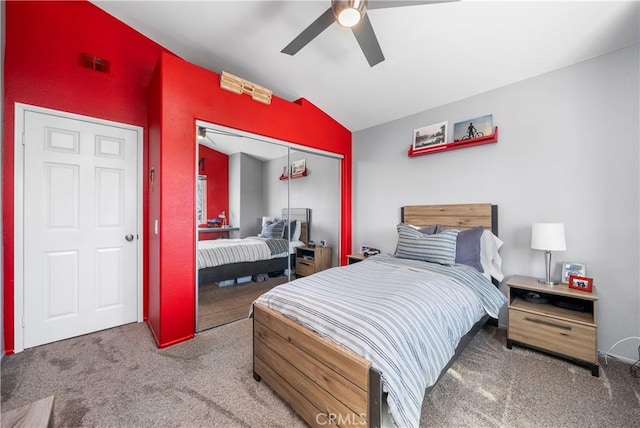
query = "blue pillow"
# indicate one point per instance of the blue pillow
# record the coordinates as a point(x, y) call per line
point(438, 248)
point(468, 247)
point(291, 226)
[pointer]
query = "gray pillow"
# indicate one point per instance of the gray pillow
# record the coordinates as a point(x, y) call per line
point(468, 247)
point(431, 230)
point(274, 229)
point(437, 248)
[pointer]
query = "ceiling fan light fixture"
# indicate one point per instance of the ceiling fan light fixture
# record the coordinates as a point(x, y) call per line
point(349, 17)
point(348, 13)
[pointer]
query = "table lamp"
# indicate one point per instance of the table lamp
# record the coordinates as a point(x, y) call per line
point(548, 237)
point(223, 216)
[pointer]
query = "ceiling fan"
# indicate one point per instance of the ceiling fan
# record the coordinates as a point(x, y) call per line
point(352, 14)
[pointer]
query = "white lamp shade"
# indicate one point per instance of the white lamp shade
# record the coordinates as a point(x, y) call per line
point(548, 237)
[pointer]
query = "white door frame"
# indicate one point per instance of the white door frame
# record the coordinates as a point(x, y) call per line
point(18, 204)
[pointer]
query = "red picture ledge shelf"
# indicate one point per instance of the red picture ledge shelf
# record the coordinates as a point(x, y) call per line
point(292, 176)
point(487, 139)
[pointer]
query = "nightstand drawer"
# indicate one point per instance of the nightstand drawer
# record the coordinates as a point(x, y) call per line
point(305, 267)
point(567, 338)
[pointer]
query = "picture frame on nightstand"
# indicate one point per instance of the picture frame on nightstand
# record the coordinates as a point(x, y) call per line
point(572, 268)
point(581, 283)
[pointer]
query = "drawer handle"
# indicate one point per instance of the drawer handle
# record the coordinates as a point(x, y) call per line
point(549, 323)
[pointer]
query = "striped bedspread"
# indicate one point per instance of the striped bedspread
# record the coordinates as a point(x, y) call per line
point(404, 316)
point(225, 251)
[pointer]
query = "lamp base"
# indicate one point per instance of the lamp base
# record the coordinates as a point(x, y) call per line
point(544, 281)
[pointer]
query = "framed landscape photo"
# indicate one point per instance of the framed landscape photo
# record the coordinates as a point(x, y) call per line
point(430, 136)
point(572, 268)
point(581, 283)
point(298, 167)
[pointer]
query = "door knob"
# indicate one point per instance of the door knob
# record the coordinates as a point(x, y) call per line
point(129, 237)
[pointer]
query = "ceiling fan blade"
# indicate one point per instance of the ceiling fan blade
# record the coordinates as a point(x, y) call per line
point(368, 41)
point(382, 4)
point(310, 33)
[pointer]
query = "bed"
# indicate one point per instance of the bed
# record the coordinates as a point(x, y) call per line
point(332, 361)
point(218, 259)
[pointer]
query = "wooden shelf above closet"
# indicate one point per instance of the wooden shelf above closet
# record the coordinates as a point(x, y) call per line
point(486, 139)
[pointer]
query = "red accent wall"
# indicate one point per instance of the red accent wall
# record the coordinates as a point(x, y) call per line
point(43, 40)
point(187, 93)
point(216, 168)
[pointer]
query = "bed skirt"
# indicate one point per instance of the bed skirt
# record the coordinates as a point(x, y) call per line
point(237, 270)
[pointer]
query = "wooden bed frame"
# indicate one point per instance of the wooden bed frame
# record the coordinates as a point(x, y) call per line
point(238, 270)
point(325, 383)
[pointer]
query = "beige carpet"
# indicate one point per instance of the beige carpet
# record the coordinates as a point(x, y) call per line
point(220, 305)
point(118, 378)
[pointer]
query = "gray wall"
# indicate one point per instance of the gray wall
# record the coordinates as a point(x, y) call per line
point(246, 203)
point(233, 216)
point(275, 191)
point(568, 151)
point(320, 191)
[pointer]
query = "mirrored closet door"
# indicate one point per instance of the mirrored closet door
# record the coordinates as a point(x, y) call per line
point(315, 185)
point(250, 231)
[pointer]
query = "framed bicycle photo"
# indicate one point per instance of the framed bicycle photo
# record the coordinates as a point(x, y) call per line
point(572, 268)
point(473, 128)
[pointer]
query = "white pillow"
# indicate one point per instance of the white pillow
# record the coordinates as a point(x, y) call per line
point(489, 258)
point(295, 236)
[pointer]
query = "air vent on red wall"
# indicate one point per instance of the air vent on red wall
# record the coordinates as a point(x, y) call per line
point(94, 63)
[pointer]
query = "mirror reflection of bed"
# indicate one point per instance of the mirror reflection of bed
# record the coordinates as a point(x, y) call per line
point(243, 183)
point(227, 285)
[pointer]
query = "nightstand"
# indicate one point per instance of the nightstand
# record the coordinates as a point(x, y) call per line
point(355, 258)
point(311, 260)
point(560, 320)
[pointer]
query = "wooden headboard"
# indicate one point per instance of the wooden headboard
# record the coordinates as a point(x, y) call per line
point(302, 214)
point(459, 216)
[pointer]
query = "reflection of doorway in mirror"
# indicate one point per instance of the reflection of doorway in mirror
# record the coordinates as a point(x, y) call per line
point(201, 200)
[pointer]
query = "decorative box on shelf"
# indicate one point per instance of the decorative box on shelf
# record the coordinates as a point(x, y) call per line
point(485, 139)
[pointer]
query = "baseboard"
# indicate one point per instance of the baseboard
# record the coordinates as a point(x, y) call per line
point(617, 357)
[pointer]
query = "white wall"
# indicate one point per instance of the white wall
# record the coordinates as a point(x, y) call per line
point(568, 151)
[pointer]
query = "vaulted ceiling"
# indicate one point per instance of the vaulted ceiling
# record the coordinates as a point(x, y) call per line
point(435, 53)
